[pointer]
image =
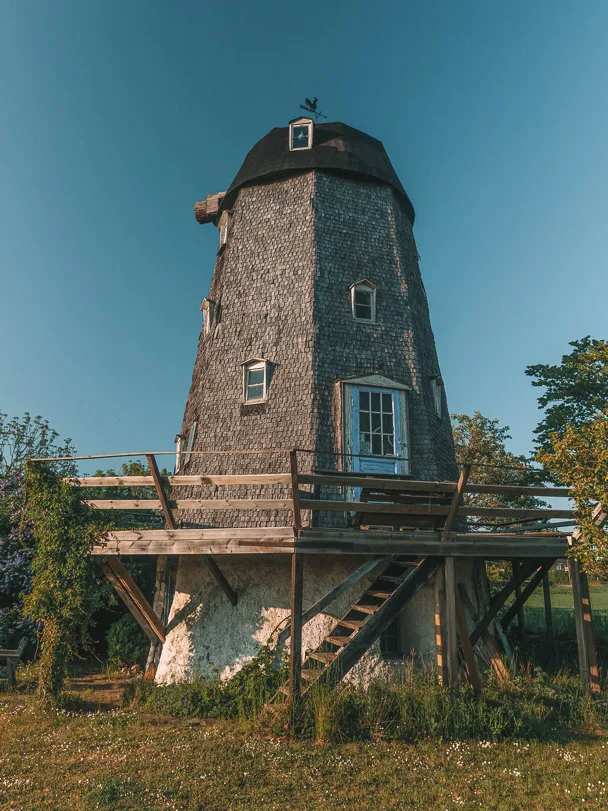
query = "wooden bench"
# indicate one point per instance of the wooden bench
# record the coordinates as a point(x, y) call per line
point(9, 659)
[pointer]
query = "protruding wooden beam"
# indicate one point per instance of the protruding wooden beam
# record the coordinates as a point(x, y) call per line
point(594, 674)
point(169, 520)
point(131, 595)
point(295, 492)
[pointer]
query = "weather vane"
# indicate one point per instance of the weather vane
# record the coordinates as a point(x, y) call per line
point(311, 107)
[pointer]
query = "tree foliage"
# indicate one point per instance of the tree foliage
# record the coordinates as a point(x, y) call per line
point(482, 441)
point(27, 437)
point(576, 390)
point(579, 455)
point(64, 592)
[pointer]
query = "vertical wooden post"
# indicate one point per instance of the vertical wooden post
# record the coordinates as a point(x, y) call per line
point(594, 674)
point(467, 648)
point(158, 605)
point(451, 620)
point(439, 595)
point(297, 583)
point(581, 636)
point(521, 624)
point(548, 612)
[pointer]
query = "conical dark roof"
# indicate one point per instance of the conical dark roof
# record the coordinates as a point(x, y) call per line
point(336, 148)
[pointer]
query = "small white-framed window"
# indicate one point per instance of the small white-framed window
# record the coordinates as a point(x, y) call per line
point(190, 445)
point(301, 134)
point(208, 310)
point(363, 300)
point(178, 453)
point(437, 390)
point(255, 380)
point(224, 227)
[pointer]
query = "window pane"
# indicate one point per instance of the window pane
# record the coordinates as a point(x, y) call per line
point(375, 401)
point(364, 400)
point(376, 423)
point(299, 137)
point(387, 402)
point(388, 445)
point(364, 421)
point(387, 423)
point(363, 297)
point(362, 311)
point(376, 444)
point(365, 444)
point(255, 376)
point(255, 392)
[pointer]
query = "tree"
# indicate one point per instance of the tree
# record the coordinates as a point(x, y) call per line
point(576, 390)
point(481, 441)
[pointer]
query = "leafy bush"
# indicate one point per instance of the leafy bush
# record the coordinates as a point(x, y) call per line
point(127, 643)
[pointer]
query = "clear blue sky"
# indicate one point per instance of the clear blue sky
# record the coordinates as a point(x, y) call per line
point(115, 117)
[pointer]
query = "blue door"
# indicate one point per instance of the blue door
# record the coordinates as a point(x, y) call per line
point(376, 426)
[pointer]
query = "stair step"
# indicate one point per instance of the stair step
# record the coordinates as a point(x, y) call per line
point(366, 609)
point(380, 595)
point(340, 641)
point(391, 579)
point(410, 563)
point(354, 624)
point(323, 656)
point(311, 675)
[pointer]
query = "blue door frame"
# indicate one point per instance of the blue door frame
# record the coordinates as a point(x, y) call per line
point(388, 464)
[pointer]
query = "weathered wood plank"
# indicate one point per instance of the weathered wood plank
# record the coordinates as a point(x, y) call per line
point(175, 481)
point(191, 504)
point(415, 509)
point(467, 647)
point(437, 486)
point(295, 653)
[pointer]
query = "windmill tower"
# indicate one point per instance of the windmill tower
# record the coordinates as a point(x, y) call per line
point(316, 335)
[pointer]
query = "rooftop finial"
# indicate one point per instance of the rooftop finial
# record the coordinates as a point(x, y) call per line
point(311, 107)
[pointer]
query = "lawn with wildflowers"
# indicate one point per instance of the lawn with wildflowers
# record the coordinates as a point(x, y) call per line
point(127, 759)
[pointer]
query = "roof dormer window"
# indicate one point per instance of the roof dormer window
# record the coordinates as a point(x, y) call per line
point(207, 309)
point(300, 134)
point(255, 380)
point(224, 228)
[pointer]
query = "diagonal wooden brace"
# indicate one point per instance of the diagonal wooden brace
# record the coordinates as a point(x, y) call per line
point(526, 593)
point(131, 595)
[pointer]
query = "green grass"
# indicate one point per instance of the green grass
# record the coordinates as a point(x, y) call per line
point(561, 597)
point(128, 760)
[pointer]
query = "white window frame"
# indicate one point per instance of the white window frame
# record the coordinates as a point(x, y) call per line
point(368, 287)
point(178, 453)
point(224, 228)
point(255, 364)
point(190, 445)
point(437, 391)
point(301, 122)
point(208, 310)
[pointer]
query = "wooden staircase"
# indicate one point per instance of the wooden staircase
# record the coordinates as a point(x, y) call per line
point(363, 623)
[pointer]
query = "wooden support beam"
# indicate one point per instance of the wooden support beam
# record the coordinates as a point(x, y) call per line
point(157, 605)
point(548, 612)
point(499, 599)
point(440, 630)
point(523, 596)
point(467, 648)
point(494, 657)
point(264, 479)
point(581, 635)
point(332, 595)
point(295, 493)
point(191, 504)
point(295, 654)
point(521, 624)
point(594, 674)
point(131, 595)
point(169, 520)
point(451, 616)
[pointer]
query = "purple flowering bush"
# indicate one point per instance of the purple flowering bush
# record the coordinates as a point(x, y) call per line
point(16, 553)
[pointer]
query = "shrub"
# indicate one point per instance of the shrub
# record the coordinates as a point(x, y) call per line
point(127, 643)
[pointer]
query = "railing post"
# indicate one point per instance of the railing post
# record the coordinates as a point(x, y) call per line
point(297, 582)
